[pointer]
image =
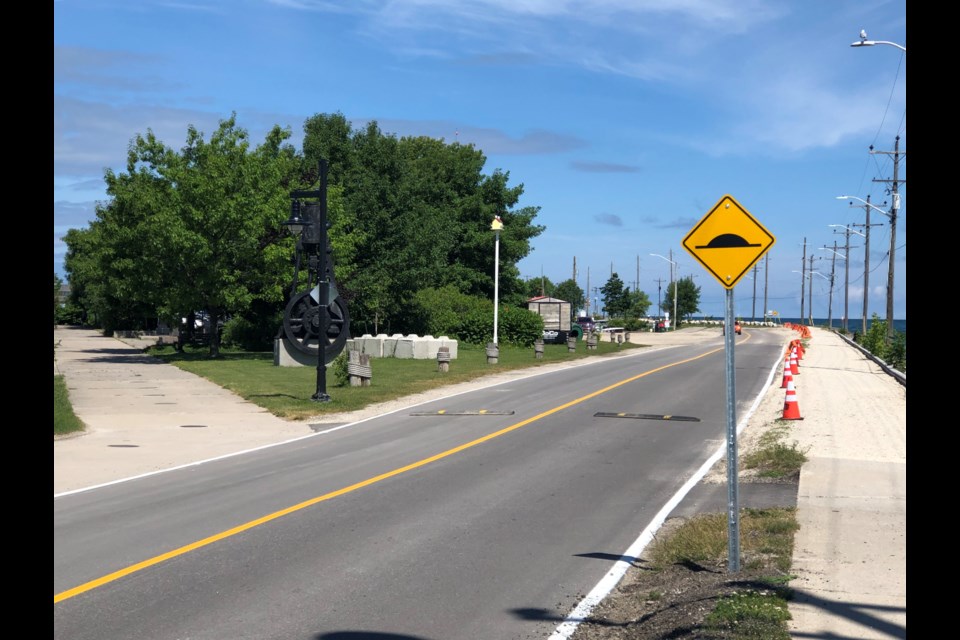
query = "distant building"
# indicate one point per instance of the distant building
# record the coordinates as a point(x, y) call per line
point(64, 294)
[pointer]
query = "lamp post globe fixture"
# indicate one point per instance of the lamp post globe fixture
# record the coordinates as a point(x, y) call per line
point(673, 264)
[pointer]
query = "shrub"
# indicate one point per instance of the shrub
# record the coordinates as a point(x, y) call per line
point(875, 339)
point(439, 312)
point(519, 326)
point(338, 368)
point(515, 325)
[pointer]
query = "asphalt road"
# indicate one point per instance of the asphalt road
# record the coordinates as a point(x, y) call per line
point(489, 520)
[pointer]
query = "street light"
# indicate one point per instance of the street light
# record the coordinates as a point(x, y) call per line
point(892, 214)
point(896, 197)
point(672, 265)
point(496, 226)
point(863, 42)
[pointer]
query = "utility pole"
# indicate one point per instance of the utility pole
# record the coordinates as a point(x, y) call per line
point(833, 264)
point(636, 283)
point(588, 291)
point(866, 259)
point(659, 282)
point(766, 279)
point(810, 310)
point(893, 228)
point(673, 320)
point(753, 315)
point(846, 276)
point(803, 276)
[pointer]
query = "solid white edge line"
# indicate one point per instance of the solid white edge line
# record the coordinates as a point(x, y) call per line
point(583, 609)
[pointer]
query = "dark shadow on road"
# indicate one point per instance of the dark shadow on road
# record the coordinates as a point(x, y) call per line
point(598, 555)
point(365, 635)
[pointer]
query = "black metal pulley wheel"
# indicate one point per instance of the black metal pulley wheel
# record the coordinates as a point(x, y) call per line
point(302, 322)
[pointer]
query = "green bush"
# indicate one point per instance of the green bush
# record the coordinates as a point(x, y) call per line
point(520, 326)
point(68, 314)
point(875, 339)
point(897, 354)
point(339, 369)
point(439, 312)
point(476, 327)
point(515, 325)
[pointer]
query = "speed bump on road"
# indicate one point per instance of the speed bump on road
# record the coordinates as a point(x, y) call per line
point(479, 412)
point(646, 416)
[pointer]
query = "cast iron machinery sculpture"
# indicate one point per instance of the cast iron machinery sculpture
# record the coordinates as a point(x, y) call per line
point(315, 320)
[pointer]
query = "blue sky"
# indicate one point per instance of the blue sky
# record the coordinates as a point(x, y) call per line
point(625, 121)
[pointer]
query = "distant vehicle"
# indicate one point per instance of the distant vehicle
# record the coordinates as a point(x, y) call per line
point(736, 329)
point(586, 323)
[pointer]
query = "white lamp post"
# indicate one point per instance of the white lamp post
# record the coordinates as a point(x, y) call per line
point(892, 214)
point(496, 226)
point(672, 265)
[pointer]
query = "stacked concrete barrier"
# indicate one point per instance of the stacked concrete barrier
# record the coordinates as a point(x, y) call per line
point(400, 346)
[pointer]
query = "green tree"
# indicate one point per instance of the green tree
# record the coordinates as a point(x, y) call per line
point(569, 291)
point(688, 299)
point(639, 304)
point(616, 298)
point(57, 283)
point(194, 229)
point(538, 286)
point(418, 211)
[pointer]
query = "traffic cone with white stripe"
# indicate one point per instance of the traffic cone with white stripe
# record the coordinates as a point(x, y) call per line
point(787, 373)
point(794, 365)
point(799, 347)
point(791, 408)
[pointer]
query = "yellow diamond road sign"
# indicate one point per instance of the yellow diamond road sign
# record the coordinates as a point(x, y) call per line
point(728, 241)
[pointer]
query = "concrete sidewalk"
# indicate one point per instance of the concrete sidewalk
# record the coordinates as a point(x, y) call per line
point(850, 554)
point(144, 416)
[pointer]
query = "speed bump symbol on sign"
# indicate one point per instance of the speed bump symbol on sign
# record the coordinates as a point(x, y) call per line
point(728, 241)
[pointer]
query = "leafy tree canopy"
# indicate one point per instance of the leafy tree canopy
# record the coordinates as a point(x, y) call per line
point(688, 299)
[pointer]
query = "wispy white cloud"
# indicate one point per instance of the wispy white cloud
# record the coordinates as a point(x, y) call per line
point(609, 219)
point(603, 167)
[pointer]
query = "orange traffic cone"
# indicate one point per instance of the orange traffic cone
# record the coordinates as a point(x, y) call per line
point(787, 373)
point(800, 349)
point(791, 409)
point(794, 366)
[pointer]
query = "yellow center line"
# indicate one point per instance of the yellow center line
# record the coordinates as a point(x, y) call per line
point(116, 575)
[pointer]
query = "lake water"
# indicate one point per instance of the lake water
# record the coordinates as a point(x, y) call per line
point(853, 324)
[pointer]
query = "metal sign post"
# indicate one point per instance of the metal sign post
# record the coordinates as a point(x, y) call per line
point(727, 242)
point(733, 492)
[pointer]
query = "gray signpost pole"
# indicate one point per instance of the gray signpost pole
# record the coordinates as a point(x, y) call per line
point(733, 500)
